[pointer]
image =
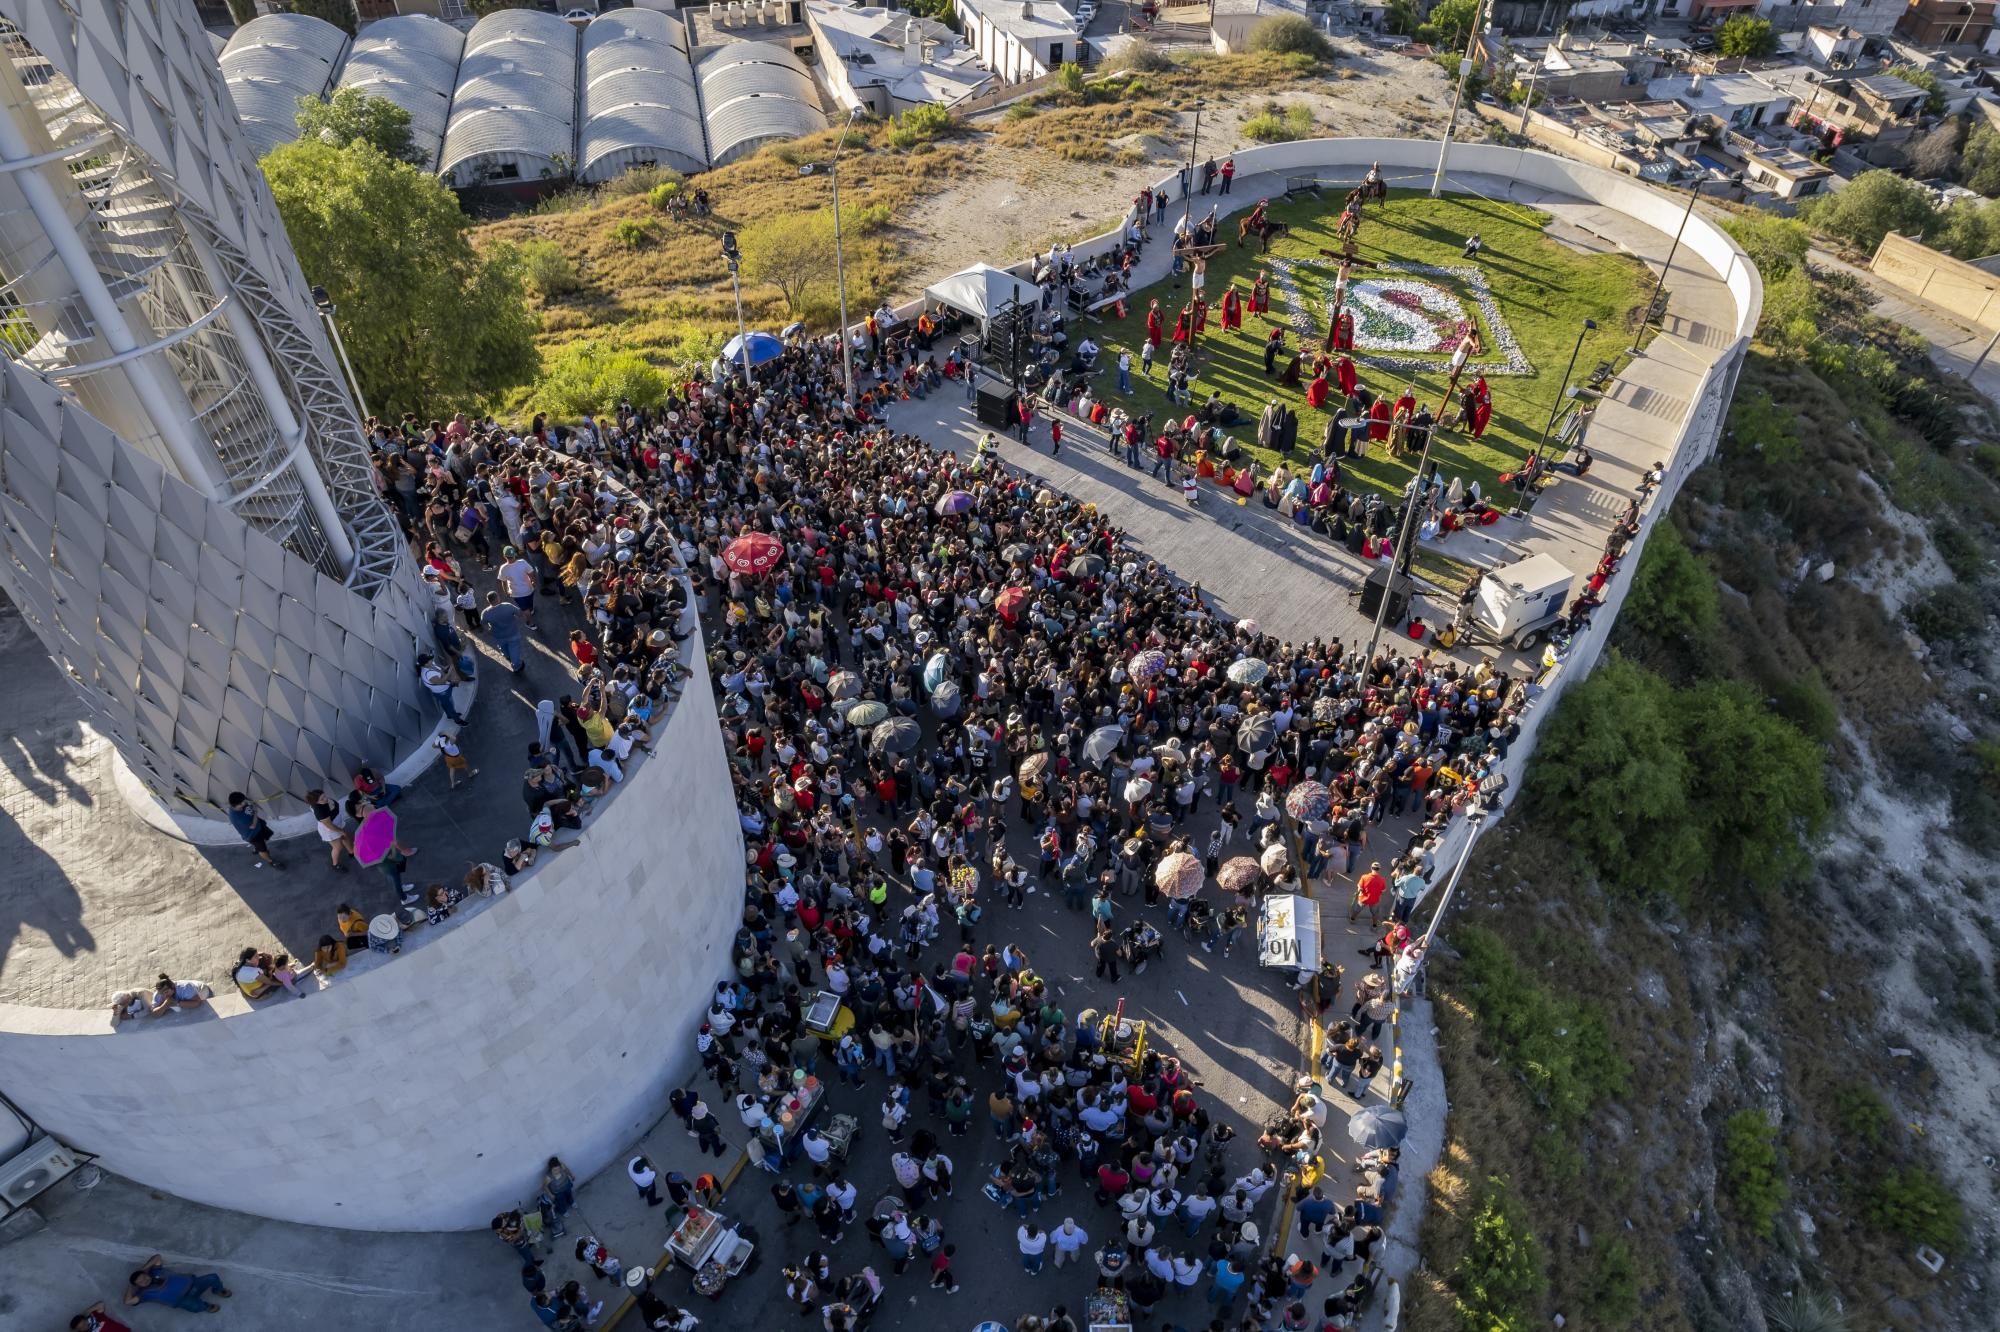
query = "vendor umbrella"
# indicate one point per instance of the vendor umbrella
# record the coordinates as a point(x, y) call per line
point(1238, 873)
point(1179, 875)
point(1249, 670)
point(1255, 735)
point(1034, 766)
point(1308, 801)
point(1276, 859)
point(1010, 602)
point(954, 501)
point(843, 685)
point(753, 553)
point(1148, 664)
point(1101, 742)
point(1377, 1126)
point(1084, 566)
point(863, 713)
point(763, 347)
point(375, 838)
point(898, 735)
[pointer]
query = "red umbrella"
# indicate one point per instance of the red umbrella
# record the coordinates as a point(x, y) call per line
point(753, 553)
point(1010, 602)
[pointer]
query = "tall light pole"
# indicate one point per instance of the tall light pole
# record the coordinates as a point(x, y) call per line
point(1653, 308)
point(733, 256)
point(840, 265)
point(327, 310)
point(1187, 189)
point(1457, 97)
point(1555, 408)
point(1403, 536)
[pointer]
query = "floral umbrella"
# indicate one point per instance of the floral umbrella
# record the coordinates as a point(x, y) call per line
point(1033, 766)
point(1308, 801)
point(865, 712)
point(1326, 710)
point(1179, 875)
point(1148, 664)
point(1249, 670)
point(753, 553)
point(1276, 859)
point(954, 501)
point(1238, 873)
point(964, 879)
point(843, 685)
point(1247, 627)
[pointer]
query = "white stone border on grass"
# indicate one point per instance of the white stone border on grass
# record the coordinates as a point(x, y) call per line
point(1511, 360)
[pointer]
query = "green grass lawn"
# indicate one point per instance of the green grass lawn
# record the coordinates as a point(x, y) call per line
point(1544, 292)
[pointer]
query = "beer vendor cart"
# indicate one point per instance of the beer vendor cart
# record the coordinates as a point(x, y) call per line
point(709, 1244)
point(1107, 1310)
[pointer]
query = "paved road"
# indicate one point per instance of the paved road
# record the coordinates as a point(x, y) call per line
point(1956, 347)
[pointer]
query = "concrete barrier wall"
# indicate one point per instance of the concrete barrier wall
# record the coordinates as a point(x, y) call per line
point(426, 1093)
point(1950, 284)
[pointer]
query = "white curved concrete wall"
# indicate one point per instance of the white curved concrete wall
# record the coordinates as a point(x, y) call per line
point(433, 1085)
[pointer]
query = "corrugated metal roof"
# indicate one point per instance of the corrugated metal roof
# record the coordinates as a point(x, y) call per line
point(272, 61)
point(754, 92)
point(638, 92)
point(516, 91)
point(413, 61)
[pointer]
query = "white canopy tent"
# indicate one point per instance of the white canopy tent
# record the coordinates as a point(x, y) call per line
point(983, 289)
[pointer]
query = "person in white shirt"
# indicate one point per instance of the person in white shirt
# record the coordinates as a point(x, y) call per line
point(817, 1150)
point(1069, 1239)
point(1160, 1265)
point(1033, 1244)
point(645, 1179)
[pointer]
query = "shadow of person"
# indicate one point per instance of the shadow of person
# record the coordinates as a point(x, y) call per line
point(38, 895)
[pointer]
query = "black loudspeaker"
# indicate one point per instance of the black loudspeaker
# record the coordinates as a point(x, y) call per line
point(1398, 587)
point(996, 405)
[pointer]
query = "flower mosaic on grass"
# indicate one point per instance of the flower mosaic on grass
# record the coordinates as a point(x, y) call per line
point(1401, 320)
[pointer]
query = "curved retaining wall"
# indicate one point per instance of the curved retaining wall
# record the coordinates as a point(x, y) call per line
point(424, 1093)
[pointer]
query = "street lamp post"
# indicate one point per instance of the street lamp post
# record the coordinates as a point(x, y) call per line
point(327, 310)
point(733, 256)
point(1397, 555)
point(1653, 302)
point(1187, 188)
point(1457, 98)
point(840, 265)
point(1555, 408)
point(1474, 816)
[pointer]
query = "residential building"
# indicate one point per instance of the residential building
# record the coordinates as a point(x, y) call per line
point(1871, 116)
point(885, 62)
point(1785, 172)
point(1718, 11)
point(1739, 101)
point(1947, 22)
point(1833, 48)
point(1021, 39)
point(1868, 17)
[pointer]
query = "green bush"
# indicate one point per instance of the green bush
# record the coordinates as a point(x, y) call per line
point(1276, 124)
point(1757, 790)
point(1499, 1286)
point(1427, 33)
point(1874, 204)
point(1022, 111)
point(921, 124)
point(634, 234)
point(1069, 78)
point(1673, 597)
point(548, 269)
point(1914, 1204)
point(662, 195)
point(1559, 1045)
point(1863, 1115)
point(1752, 1182)
point(1144, 57)
point(1744, 35)
point(1612, 1289)
point(1288, 34)
point(1806, 702)
point(1948, 613)
point(1965, 557)
point(589, 377)
point(1806, 1309)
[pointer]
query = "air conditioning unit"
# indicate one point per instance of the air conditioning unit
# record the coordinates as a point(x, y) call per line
point(37, 1166)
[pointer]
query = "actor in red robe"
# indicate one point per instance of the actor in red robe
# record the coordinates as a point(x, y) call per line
point(1482, 406)
point(1378, 421)
point(1232, 309)
point(1153, 326)
point(1181, 326)
point(1346, 376)
point(1260, 294)
point(1343, 332)
point(1201, 314)
point(1316, 391)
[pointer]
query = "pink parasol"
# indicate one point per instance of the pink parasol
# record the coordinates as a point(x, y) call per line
point(753, 553)
point(375, 838)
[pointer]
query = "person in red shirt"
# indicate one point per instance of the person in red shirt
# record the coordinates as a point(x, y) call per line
point(1368, 892)
point(582, 649)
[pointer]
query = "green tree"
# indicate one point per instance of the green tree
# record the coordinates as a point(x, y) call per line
point(1615, 732)
point(1288, 34)
point(1778, 245)
point(1751, 1179)
point(1756, 789)
point(340, 13)
point(794, 252)
point(591, 377)
point(431, 325)
point(1746, 36)
point(353, 116)
point(1673, 597)
point(1501, 1281)
point(1453, 20)
point(1923, 78)
point(1979, 165)
point(1874, 204)
point(1970, 229)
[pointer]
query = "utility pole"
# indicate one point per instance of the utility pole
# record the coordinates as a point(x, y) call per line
point(1458, 97)
point(840, 268)
point(731, 254)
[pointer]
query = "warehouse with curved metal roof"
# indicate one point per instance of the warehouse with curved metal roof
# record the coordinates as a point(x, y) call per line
point(754, 93)
point(638, 105)
point(412, 60)
point(270, 63)
point(514, 112)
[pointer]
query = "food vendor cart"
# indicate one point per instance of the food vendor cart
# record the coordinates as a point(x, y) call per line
point(827, 1017)
point(793, 1110)
point(1288, 933)
point(1122, 1038)
point(708, 1244)
point(1107, 1311)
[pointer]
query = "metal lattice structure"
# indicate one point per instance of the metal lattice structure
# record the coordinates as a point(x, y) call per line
point(163, 346)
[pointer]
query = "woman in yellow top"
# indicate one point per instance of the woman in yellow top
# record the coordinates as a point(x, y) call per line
point(353, 926)
point(330, 956)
